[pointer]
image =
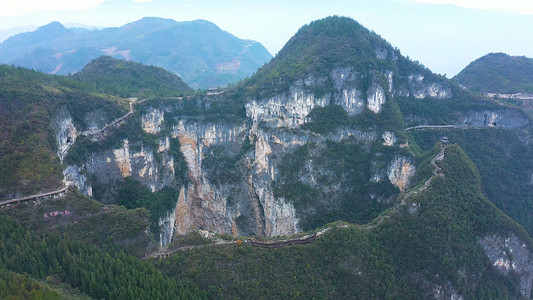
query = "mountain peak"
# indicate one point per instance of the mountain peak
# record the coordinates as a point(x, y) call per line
point(52, 27)
point(498, 73)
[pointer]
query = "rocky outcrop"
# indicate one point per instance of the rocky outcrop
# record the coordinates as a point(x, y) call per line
point(215, 206)
point(420, 86)
point(510, 254)
point(152, 120)
point(167, 225)
point(286, 110)
point(141, 164)
point(400, 171)
point(505, 118)
point(389, 139)
point(73, 176)
point(66, 133)
point(346, 93)
point(376, 98)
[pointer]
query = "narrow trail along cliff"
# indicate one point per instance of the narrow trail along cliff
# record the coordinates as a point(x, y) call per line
point(164, 253)
point(436, 172)
point(32, 197)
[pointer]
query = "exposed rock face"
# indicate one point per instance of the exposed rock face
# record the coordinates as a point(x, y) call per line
point(167, 226)
point(400, 171)
point(72, 175)
point(66, 133)
point(347, 95)
point(287, 110)
point(418, 86)
point(510, 254)
point(376, 98)
point(215, 206)
point(389, 139)
point(114, 164)
point(508, 119)
point(152, 120)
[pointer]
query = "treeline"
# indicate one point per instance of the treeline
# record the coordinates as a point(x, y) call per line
point(94, 272)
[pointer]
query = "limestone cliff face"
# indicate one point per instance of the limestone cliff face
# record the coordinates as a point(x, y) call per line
point(505, 118)
point(66, 133)
point(400, 170)
point(376, 98)
point(141, 164)
point(73, 176)
point(208, 204)
point(420, 86)
point(510, 254)
point(152, 120)
point(288, 109)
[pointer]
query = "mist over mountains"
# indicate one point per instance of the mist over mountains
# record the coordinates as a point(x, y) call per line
point(199, 52)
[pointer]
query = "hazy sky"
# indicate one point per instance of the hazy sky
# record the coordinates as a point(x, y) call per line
point(444, 35)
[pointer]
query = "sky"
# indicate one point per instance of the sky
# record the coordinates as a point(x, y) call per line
point(444, 35)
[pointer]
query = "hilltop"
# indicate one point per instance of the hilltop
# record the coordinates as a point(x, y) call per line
point(498, 73)
point(128, 79)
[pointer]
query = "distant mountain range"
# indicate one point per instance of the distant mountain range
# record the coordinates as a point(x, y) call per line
point(498, 73)
point(198, 51)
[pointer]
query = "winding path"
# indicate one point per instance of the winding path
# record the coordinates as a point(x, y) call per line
point(436, 172)
point(430, 127)
point(31, 197)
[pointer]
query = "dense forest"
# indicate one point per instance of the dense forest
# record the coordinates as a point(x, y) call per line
point(498, 73)
point(129, 79)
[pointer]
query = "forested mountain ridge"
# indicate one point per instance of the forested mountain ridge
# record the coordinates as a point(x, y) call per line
point(198, 51)
point(498, 73)
point(128, 79)
point(289, 151)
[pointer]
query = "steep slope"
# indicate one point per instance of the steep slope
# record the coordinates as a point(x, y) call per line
point(127, 79)
point(38, 117)
point(446, 242)
point(266, 158)
point(498, 73)
point(198, 51)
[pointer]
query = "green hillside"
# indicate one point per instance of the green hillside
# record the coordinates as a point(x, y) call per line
point(29, 101)
point(498, 73)
point(129, 79)
point(396, 258)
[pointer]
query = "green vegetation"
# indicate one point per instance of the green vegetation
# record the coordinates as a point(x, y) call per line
point(325, 119)
point(94, 272)
point(29, 102)
point(132, 194)
point(504, 163)
point(109, 227)
point(129, 79)
point(15, 286)
point(399, 258)
point(330, 182)
point(498, 73)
